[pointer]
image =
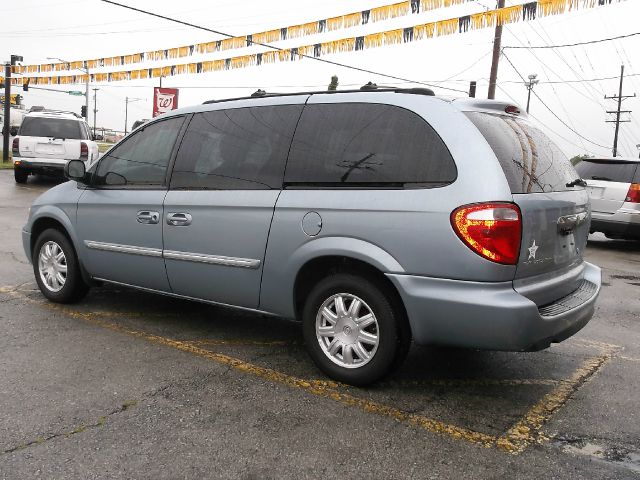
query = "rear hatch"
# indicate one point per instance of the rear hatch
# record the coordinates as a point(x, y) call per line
point(51, 138)
point(555, 215)
point(608, 182)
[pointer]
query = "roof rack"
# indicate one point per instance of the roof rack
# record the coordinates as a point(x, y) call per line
point(368, 87)
point(41, 109)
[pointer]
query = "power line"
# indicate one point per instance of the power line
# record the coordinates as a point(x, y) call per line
point(218, 32)
point(581, 147)
point(550, 110)
point(577, 43)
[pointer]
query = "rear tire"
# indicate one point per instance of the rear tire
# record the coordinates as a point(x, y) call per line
point(352, 329)
point(56, 268)
point(20, 175)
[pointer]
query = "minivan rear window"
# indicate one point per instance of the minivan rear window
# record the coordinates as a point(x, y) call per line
point(608, 170)
point(366, 145)
point(52, 128)
point(531, 162)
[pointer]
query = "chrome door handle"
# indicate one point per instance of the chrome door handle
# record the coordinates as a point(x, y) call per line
point(148, 217)
point(178, 219)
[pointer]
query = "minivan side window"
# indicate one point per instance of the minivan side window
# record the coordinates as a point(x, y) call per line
point(236, 149)
point(365, 145)
point(142, 158)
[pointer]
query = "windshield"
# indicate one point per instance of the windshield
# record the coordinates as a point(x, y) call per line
point(531, 162)
point(52, 128)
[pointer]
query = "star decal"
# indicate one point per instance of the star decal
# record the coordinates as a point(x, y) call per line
point(532, 250)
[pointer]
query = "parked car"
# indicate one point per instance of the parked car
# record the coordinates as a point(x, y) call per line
point(373, 217)
point(47, 140)
point(613, 185)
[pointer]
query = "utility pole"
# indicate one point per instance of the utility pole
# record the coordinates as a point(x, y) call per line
point(95, 109)
point(533, 79)
point(497, 40)
point(617, 121)
point(7, 112)
point(7, 106)
point(127, 101)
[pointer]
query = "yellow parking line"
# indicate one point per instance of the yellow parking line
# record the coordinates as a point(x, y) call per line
point(529, 429)
point(326, 389)
point(270, 343)
point(515, 440)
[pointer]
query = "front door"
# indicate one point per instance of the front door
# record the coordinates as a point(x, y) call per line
point(120, 214)
point(225, 183)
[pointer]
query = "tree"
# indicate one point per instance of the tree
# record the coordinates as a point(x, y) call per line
point(334, 83)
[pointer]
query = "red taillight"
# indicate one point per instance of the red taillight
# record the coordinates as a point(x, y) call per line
point(633, 195)
point(84, 151)
point(15, 147)
point(492, 230)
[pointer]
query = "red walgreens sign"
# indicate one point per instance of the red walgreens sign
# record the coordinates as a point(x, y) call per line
point(164, 100)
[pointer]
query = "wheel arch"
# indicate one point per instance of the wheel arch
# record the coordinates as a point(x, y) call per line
point(320, 267)
point(50, 217)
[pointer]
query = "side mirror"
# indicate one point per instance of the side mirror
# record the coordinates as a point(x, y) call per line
point(75, 170)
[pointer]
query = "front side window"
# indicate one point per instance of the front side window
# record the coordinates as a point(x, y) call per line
point(365, 145)
point(237, 149)
point(52, 128)
point(142, 158)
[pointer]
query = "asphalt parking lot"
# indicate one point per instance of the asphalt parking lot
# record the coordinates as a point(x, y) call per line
point(131, 385)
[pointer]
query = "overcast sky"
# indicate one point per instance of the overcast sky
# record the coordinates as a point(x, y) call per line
point(84, 29)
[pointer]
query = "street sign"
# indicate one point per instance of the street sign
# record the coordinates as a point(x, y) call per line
point(75, 92)
point(164, 100)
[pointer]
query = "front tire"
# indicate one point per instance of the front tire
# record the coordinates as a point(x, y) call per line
point(351, 327)
point(20, 175)
point(56, 268)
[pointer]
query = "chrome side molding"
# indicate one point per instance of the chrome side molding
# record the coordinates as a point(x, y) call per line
point(174, 255)
point(113, 247)
point(212, 259)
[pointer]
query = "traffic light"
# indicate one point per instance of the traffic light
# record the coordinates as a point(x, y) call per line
point(25, 85)
point(83, 111)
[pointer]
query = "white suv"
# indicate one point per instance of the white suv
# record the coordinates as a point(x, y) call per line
point(613, 185)
point(47, 140)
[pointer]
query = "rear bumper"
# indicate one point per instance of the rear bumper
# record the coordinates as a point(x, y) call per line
point(491, 316)
point(40, 165)
point(624, 223)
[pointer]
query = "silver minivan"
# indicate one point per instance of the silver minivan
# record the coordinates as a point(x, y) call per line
point(374, 217)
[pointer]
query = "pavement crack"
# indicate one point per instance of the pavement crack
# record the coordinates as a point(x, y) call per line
point(79, 429)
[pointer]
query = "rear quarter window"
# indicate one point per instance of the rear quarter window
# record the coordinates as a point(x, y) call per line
point(531, 162)
point(367, 145)
point(610, 171)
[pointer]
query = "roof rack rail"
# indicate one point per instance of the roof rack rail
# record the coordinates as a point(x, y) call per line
point(41, 109)
point(369, 87)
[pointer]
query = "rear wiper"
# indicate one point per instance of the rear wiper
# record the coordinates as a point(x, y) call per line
point(577, 182)
point(606, 179)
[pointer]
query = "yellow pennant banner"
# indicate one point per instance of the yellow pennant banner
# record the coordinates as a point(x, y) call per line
point(349, 20)
point(477, 21)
